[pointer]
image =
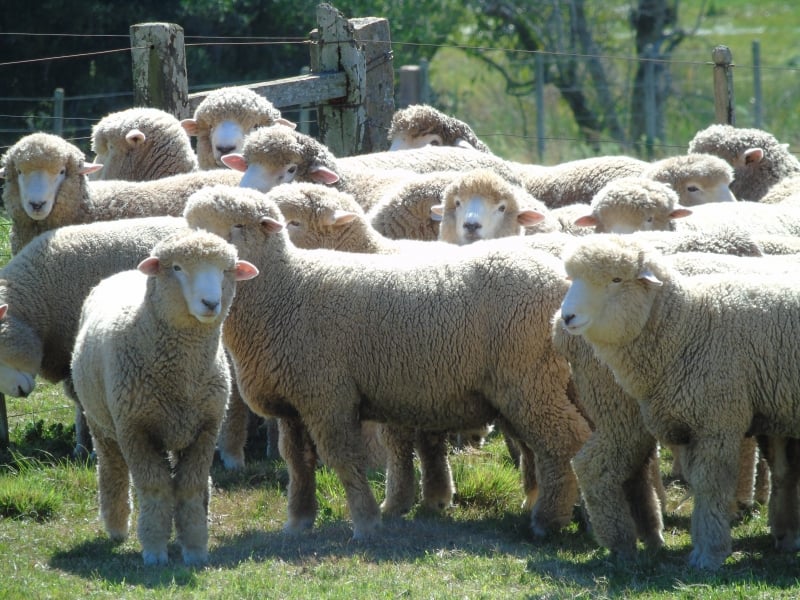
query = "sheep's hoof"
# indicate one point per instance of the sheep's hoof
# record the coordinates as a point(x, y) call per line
point(154, 558)
point(298, 526)
point(196, 557)
point(232, 462)
point(117, 535)
point(366, 532)
point(708, 562)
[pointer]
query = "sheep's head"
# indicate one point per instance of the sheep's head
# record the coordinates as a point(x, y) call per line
point(275, 155)
point(611, 289)
point(21, 355)
point(205, 269)
point(696, 178)
point(224, 118)
point(35, 169)
point(481, 205)
point(421, 125)
point(630, 204)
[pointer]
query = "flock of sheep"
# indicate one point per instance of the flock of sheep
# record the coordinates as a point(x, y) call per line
point(373, 306)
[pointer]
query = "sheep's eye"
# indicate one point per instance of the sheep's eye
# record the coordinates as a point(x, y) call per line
point(292, 169)
point(501, 208)
point(239, 226)
point(294, 223)
point(458, 203)
point(435, 143)
point(176, 268)
point(693, 188)
point(63, 171)
point(617, 280)
point(650, 219)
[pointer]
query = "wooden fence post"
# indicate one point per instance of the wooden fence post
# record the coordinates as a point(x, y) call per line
point(409, 91)
point(58, 111)
point(758, 115)
point(723, 85)
point(342, 122)
point(159, 68)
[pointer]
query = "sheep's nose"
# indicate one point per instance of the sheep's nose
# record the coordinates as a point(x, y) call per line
point(36, 205)
point(567, 318)
point(472, 227)
point(223, 150)
point(21, 392)
point(210, 304)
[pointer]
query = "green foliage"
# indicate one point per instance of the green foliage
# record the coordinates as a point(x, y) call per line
point(27, 493)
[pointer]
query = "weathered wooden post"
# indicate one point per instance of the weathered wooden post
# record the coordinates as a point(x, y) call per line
point(758, 114)
point(409, 91)
point(159, 68)
point(540, 131)
point(723, 85)
point(338, 46)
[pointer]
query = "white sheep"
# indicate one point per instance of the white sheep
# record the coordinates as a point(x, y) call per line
point(153, 379)
point(46, 187)
point(274, 155)
point(643, 319)
point(223, 119)
point(759, 161)
point(321, 324)
point(141, 144)
point(421, 125)
point(481, 205)
point(43, 286)
point(696, 178)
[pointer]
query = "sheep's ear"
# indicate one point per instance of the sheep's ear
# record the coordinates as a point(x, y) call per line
point(462, 143)
point(437, 210)
point(679, 213)
point(3, 172)
point(586, 221)
point(320, 174)
point(149, 266)
point(245, 270)
point(89, 168)
point(753, 155)
point(341, 217)
point(286, 122)
point(235, 162)
point(529, 217)
point(270, 225)
point(3, 310)
point(135, 137)
point(647, 276)
point(189, 126)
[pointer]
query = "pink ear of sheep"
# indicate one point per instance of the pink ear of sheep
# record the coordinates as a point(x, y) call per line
point(586, 221)
point(149, 266)
point(245, 270)
point(320, 174)
point(680, 213)
point(3, 310)
point(135, 137)
point(270, 225)
point(89, 168)
point(235, 162)
point(529, 216)
point(189, 126)
point(286, 122)
point(648, 277)
point(341, 217)
point(753, 155)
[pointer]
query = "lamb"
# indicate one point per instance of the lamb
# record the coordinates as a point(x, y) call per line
point(367, 297)
point(153, 379)
point(223, 119)
point(642, 319)
point(420, 125)
point(141, 144)
point(274, 155)
point(759, 161)
point(696, 178)
point(46, 187)
point(481, 205)
point(43, 286)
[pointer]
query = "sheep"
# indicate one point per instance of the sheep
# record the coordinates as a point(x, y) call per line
point(223, 119)
point(696, 178)
point(787, 191)
point(643, 319)
point(46, 187)
point(141, 144)
point(42, 288)
point(153, 379)
point(759, 161)
point(420, 125)
point(481, 205)
point(274, 155)
point(340, 308)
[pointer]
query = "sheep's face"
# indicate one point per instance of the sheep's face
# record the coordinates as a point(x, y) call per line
point(610, 293)
point(38, 188)
point(227, 137)
point(702, 190)
point(404, 140)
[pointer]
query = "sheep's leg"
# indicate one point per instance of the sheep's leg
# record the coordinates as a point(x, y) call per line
point(615, 483)
point(711, 466)
point(644, 493)
point(437, 478)
point(83, 437)
point(191, 496)
point(113, 483)
point(298, 451)
point(400, 480)
point(745, 484)
point(783, 455)
point(233, 432)
point(152, 479)
point(341, 446)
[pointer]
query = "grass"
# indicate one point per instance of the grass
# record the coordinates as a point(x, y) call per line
point(53, 544)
